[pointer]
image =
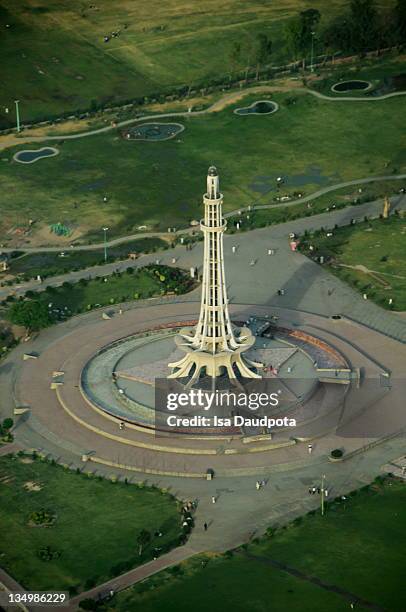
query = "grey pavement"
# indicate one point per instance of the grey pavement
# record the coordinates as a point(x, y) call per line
point(307, 285)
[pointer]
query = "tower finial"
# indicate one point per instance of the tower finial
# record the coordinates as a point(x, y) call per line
point(213, 184)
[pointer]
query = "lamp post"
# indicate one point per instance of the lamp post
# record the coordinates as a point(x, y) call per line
point(105, 230)
point(312, 53)
point(322, 494)
point(17, 114)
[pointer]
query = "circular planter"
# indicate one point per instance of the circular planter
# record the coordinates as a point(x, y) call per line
point(353, 85)
point(260, 107)
point(153, 132)
point(30, 156)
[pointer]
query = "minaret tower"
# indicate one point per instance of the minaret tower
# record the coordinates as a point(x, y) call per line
point(214, 346)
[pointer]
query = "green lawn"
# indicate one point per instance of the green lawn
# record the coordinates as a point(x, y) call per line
point(379, 246)
point(29, 265)
point(55, 59)
point(379, 72)
point(358, 546)
point(312, 143)
point(95, 530)
point(73, 298)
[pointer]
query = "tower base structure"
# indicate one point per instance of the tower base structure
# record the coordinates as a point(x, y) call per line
point(198, 363)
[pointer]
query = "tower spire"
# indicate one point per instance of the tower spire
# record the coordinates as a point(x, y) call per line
point(215, 345)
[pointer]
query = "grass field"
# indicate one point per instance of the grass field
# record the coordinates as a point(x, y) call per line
point(55, 58)
point(95, 529)
point(357, 546)
point(312, 143)
point(378, 246)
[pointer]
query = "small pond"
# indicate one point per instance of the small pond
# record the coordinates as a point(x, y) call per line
point(345, 86)
point(261, 107)
point(153, 132)
point(29, 156)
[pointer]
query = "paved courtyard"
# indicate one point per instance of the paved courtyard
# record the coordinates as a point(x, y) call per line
point(371, 339)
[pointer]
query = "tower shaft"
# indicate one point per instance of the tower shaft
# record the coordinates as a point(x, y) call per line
point(214, 347)
point(214, 332)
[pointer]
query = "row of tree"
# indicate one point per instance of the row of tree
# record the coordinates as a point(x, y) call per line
point(361, 28)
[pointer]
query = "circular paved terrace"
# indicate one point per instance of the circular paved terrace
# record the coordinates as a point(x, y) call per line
point(64, 414)
point(120, 378)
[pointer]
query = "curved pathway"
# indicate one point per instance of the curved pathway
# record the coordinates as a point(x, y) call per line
point(123, 239)
point(215, 107)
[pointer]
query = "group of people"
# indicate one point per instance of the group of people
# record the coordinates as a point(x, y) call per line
point(313, 490)
point(259, 484)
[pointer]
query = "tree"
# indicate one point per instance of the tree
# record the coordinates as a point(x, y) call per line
point(33, 315)
point(292, 33)
point(337, 36)
point(363, 20)
point(299, 31)
point(399, 13)
point(143, 539)
point(235, 55)
point(263, 50)
point(8, 423)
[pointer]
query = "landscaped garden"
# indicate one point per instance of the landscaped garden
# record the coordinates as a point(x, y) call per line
point(56, 526)
point(105, 180)
point(29, 265)
point(40, 309)
point(370, 256)
point(357, 548)
point(66, 56)
point(382, 73)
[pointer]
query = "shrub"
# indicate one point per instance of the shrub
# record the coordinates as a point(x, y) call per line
point(8, 423)
point(90, 583)
point(47, 554)
point(337, 453)
point(42, 517)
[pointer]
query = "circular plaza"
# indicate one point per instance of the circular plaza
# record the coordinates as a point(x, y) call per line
point(67, 383)
point(121, 378)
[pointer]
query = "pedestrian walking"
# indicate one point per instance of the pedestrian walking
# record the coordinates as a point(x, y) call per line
point(257, 485)
point(310, 448)
point(205, 526)
point(213, 499)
